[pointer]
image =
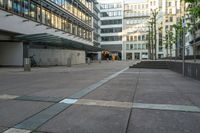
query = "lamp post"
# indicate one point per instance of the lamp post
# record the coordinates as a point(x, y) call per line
point(183, 50)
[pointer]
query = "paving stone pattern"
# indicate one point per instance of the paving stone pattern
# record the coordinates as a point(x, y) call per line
point(163, 101)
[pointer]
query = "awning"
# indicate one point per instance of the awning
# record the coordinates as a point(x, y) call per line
point(53, 40)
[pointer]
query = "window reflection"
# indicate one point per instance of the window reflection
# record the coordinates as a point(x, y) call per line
point(35, 12)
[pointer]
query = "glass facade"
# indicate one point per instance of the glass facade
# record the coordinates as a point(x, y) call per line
point(38, 13)
point(75, 10)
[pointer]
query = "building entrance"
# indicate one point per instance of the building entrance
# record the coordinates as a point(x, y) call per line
point(129, 56)
point(137, 56)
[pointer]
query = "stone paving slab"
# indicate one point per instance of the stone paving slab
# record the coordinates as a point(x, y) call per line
point(88, 119)
point(161, 98)
point(37, 98)
point(104, 110)
point(35, 121)
point(55, 81)
point(2, 129)
point(13, 112)
point(155, 121)
point(116, 89)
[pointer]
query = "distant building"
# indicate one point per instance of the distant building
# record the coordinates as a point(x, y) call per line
point(135, 31)
point(111, 17)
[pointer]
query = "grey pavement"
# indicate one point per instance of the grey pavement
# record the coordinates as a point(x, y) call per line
point(98, 98)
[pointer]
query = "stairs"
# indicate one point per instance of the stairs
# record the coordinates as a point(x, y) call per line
point(158, 64)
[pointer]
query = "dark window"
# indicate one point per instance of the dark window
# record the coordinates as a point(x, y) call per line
point(135, 38)
point(139, 38)
point(111, 22)
point(111, 30)
point(127, 38)
point(131, 38)
point(171, 19)
point(111, 38)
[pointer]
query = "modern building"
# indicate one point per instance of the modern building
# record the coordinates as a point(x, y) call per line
point(111, 17)
point(171, 15)
point(96, 25)
point(51, 31)
point(135, 31)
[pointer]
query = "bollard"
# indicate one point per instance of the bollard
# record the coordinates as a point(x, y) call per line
point(27, 64)
point(88, 61)
point(69, 62)
point(107, 59)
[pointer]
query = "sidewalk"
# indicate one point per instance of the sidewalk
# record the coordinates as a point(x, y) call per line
point(98, 98)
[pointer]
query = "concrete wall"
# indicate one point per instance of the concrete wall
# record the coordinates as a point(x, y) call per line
point(11, 53)
point(44, 57)
point(192, 70)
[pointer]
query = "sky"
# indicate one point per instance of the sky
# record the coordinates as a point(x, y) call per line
point(115, 1)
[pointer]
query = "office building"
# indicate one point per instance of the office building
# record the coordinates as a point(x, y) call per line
point(135, 31)
point(111, 17)
point(50, 30)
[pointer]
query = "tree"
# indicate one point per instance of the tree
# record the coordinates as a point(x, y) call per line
point(178, 30)
point(169, 41)
point(194, 14)
point(153, 34)
point(151, 40)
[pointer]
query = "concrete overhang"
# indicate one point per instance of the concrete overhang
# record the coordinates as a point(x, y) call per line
point(56, 41)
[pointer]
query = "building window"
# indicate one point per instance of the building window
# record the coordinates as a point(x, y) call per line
point(111, 14)
point(169, 4)
point(131, 38)
point(36, 12)
point(131, 46)
point(166, 27)
point(171, 19)
point(135, 38)
point(127, 46)
point(16, 6)
point(111, 30)
point(111, 38)
point(139, 46)
point(143, 37)
point(127, 38)
point(139, 38)
point(111, 22)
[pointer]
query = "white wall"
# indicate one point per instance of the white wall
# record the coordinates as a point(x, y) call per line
point(11, 53)
point(57, 56)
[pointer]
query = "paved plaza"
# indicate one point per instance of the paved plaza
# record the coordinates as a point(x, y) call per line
point(98, 98)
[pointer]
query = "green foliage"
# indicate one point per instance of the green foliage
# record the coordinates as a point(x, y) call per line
point(194, 8)
point(189, 1)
